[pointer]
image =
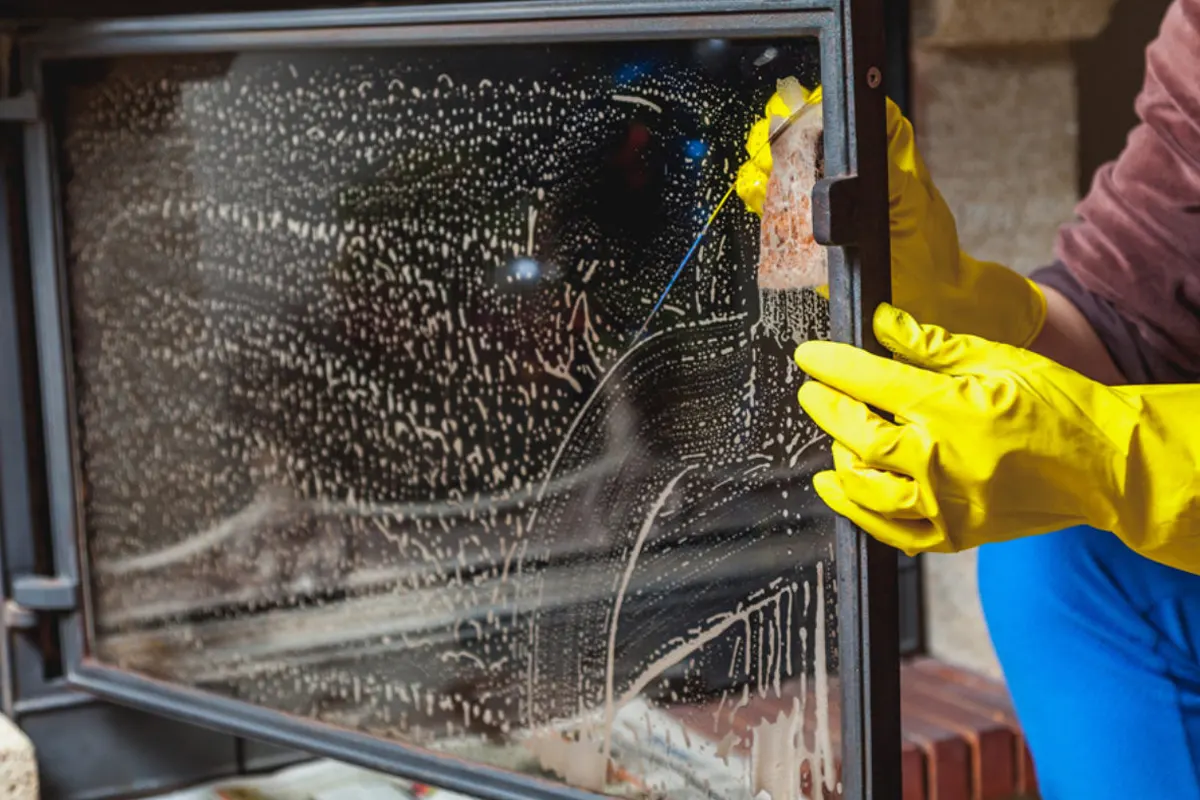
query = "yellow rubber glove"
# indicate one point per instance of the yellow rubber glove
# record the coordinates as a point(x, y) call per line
point(931, 277)
point(992, 442)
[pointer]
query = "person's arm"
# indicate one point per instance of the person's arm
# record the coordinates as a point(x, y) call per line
point(1123, 299)
point(1068, 338)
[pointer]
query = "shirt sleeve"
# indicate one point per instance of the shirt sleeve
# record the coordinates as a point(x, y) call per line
point(1132, 353)
point(1131, 259)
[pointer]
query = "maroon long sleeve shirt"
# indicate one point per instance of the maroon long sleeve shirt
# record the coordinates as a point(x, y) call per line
point(1131, 260)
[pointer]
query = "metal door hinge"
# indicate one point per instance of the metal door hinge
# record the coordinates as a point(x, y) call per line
point(34, 594)
point(21, 108)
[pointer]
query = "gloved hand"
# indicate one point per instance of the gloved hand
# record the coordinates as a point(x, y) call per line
point(931, 277)
point(992, 442)
point(753, 175)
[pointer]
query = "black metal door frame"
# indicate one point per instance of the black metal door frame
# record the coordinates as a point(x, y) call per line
point(854, 223)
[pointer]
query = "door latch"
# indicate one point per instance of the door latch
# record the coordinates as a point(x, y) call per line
point(34, 594)
point(835, 211)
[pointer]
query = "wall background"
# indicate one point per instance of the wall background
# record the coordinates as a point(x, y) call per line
point(1108, 74)
point(1016, 103)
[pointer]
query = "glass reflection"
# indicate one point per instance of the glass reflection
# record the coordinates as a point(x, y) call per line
point(365, 435)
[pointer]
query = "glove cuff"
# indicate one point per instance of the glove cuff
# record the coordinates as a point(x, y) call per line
point(1036, 313)
point(1158, 501)
point(993, 302)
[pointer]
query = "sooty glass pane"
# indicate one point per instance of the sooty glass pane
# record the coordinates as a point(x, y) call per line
point(368, 434)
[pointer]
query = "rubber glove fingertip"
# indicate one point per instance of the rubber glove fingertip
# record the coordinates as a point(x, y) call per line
point(822, 359)
point(899, 331)
point(805, 354)
point(888, 316)
point(812, 395)
point(752, 187)
point(829, 488)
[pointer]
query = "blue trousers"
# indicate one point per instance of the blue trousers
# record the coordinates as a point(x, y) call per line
point(1100, 650)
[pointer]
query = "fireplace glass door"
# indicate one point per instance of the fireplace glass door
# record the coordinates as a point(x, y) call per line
point(427, 398)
